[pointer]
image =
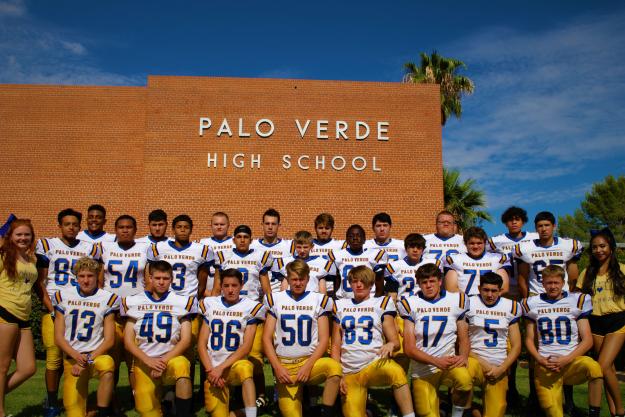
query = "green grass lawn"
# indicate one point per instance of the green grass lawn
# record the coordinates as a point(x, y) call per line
point(26, 400)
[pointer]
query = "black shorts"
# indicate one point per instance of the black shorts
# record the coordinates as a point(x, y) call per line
point(607, 323)
point(11, 319)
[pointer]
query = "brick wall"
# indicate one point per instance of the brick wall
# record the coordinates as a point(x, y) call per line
point(133, 149)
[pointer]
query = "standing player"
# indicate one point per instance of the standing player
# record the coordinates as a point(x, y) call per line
point(270, 242)
point(366, 329)
point(218, 242)
point(445, 241)
point(96, 219)
point(559, 322)
point(157, 223)
point(493, 321)
point(295, 338)
point(55, 260)
point(381, 225)
point(464, 269)
point(354, 255)
point(434, 323)
point(321, 269)
point(84, 329)
point(157, 333)
point(324, 243)
point(225, 340)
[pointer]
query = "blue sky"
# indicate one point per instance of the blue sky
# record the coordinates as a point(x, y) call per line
point(545, 122)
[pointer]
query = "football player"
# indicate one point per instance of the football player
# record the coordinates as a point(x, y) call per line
point(434, 322)
point(381, 225)
point(366, 328)
point(158, 333)
point(96, 219)
point(157, 224)
point(558, 321)
point(445, 241)
point(225, 340)
point(324, 242)
point(55, 260)
point(295, 338)
point(464, 269)
point(84, 329)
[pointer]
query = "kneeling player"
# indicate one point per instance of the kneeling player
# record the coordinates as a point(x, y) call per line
point(295, 338)
point(84, 329)
point(364, 323)
point(492, 321)
point(561, 321)
point(157, 333)
point(226, 338)
point(433, 322)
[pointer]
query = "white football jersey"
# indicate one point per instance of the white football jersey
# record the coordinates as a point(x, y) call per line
point(123, 269)
point(394, 248)
point(296, 332)
point(323, 249)
point(538, 257)
point(505, 244)
point(470, 270)
point(435, 325)
point(280, 249)
point(361, 325)
point(403, 273)
point(60, 259)
point(320, 268)
point(97, 238)
point(251, 264)
point(345, 260)
point(227, 323)
point(157, 322)
point(440, 247)
point(149, 239)
point(488, 327)
point(185, 262)
point(556, 321)
point(217, 245)
point(84, 316)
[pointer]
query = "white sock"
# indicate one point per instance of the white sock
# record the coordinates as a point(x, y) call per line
point(409, 415)
point(456, 411)
point(250, 411)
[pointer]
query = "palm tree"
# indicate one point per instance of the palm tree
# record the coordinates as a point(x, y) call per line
point(463, 200)
point(436, 69)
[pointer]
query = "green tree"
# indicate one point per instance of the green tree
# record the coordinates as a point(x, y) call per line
point(603, 206)
point(463, 200)
point(436, 69)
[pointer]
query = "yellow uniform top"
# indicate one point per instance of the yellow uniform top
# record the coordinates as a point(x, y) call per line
point(15, 293)
point(603, 299)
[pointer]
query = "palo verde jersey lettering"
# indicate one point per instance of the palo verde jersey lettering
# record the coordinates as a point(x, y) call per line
point(538, 257)
point(556, 321)
point(361, 325)
point(123, 268)
point(84, 316)
point(322, 249)
point(403, 272)
point(435, 323)
point(251, 264)
point(439, 248)
point(488, 327)
point(469, 269)
point(280, 249)
point(394, 248)
point(345, 260)
point(86, 236)
point(157, 322)
point(185, 262)
point(504, 244)
point(60, 258)
point(320, 268)
point(296, 333)
point(227, 323)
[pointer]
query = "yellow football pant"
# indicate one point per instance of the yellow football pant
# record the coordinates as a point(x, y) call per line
point(217, 400)
point(399, 356)
point(549, 384)
point(425, 389)
point(381, 373)
point(75, 389)
point(147, 400)
point(494, 401)
point(256, 353)
point(195, 331)
point(54, 359)
point(290, 396)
